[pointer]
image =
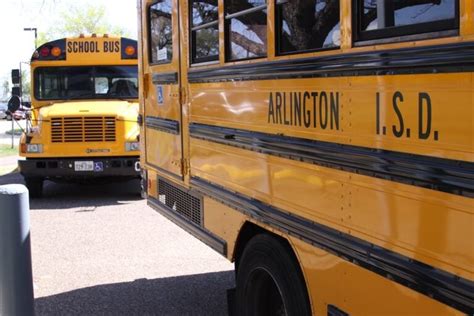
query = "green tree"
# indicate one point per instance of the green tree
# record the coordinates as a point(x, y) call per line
point(25, 84)
point(81, 19)
point(5, 89)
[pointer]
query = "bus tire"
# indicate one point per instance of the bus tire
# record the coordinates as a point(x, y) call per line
point(35, 187)
point(269, 280)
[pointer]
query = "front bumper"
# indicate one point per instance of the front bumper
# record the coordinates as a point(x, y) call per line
point(65, 167)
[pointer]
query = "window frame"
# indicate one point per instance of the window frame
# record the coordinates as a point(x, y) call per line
point(279, 26)
point(192, 36)
point(227, 23)
point(396, 34)
point(150, 51)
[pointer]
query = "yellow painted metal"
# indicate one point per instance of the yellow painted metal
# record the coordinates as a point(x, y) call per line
point(417, 222)
point(432, 227)
point(143, 83)
point(466, 18)
point(332, 280)
point(102, 51)
point(126, 129)
point(152, 185)
point(245, 105)
point(223, 221)
point(166, 154)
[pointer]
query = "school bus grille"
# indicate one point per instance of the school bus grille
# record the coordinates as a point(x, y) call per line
point(83, 129)
point(180, 201)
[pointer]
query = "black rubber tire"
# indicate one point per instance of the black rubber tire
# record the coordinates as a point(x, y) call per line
point(35, 187)
point(269, 280)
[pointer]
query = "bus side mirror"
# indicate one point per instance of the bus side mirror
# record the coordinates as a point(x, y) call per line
point(14, 103)
point(16, 77)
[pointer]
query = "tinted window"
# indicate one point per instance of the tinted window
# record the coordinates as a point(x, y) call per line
point(204, 31)
point(378, 18)
point(246, 27)
point(307, 25)
point(66, 83)
point(161, 32)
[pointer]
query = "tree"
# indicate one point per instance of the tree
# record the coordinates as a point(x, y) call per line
point(81, 19)
point(25, 84)
point(5, 89)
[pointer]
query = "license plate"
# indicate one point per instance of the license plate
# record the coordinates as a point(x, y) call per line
point(83, 166)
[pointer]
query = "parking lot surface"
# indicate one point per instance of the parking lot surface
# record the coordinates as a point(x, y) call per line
point(100, 250)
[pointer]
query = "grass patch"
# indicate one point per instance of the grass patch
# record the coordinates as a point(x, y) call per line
point(7, 150)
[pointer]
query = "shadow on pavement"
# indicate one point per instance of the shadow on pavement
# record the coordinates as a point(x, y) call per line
point(86, 196)
point(199, 294)
point(10, 178)
point(71, 195)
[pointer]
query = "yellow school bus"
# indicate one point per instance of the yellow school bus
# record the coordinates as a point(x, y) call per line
point(324, 146)
point(84, 112)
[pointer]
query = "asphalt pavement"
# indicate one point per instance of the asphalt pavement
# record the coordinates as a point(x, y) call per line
point(100, 250)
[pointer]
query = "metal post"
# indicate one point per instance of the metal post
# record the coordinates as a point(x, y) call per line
point(13, 127)
point(16, 280)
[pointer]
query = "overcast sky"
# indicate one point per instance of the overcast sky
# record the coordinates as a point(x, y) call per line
point(18, 45)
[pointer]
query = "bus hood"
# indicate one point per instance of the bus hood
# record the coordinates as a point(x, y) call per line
point(121, 109)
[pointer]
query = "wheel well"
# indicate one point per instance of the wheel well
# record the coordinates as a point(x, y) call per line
point(247, 232)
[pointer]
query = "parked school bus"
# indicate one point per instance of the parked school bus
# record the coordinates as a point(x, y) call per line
point(324, 146)
point(84, 112)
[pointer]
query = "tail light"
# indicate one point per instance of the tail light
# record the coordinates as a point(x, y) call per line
point(55, 50)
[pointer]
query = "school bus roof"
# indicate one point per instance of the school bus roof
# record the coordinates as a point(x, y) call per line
point(87, 50)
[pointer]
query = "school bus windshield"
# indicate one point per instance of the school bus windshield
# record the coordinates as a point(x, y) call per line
point(96, 82)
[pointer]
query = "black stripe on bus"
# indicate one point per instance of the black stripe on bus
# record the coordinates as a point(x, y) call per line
point(205, 236)
point(161, 124)
point(418, 60)
point(445, 175)
point(440, 285)
point(165, 78)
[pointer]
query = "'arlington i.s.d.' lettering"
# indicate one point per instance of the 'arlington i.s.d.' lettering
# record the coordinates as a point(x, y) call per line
point(401, 129)
point(309, 109)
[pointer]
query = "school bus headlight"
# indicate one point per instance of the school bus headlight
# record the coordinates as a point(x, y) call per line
point(34, 148)
point(132, 146)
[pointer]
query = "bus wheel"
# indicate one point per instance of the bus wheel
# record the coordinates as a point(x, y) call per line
point(269, 280)
point(35, 187)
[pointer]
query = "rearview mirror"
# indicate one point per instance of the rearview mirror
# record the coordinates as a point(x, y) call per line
point(14, 103)
point(16, 76)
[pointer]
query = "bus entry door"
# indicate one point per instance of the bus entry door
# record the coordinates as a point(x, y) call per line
point(162, 106)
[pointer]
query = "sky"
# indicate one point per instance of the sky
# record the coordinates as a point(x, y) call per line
point(18, 45)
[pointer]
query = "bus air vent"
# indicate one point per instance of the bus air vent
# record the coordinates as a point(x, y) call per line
point(83, 129)
point(180, 201)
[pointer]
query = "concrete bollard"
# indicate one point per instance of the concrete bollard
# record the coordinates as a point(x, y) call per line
point(16, 279)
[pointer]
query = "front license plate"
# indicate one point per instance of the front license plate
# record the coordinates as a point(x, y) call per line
point(83, 166)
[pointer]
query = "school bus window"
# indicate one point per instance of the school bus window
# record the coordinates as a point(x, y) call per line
point(161, 32)
point(382, 19)
point(86, 82)
point(307, 25)
point(246, 29)
point(204, 31)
